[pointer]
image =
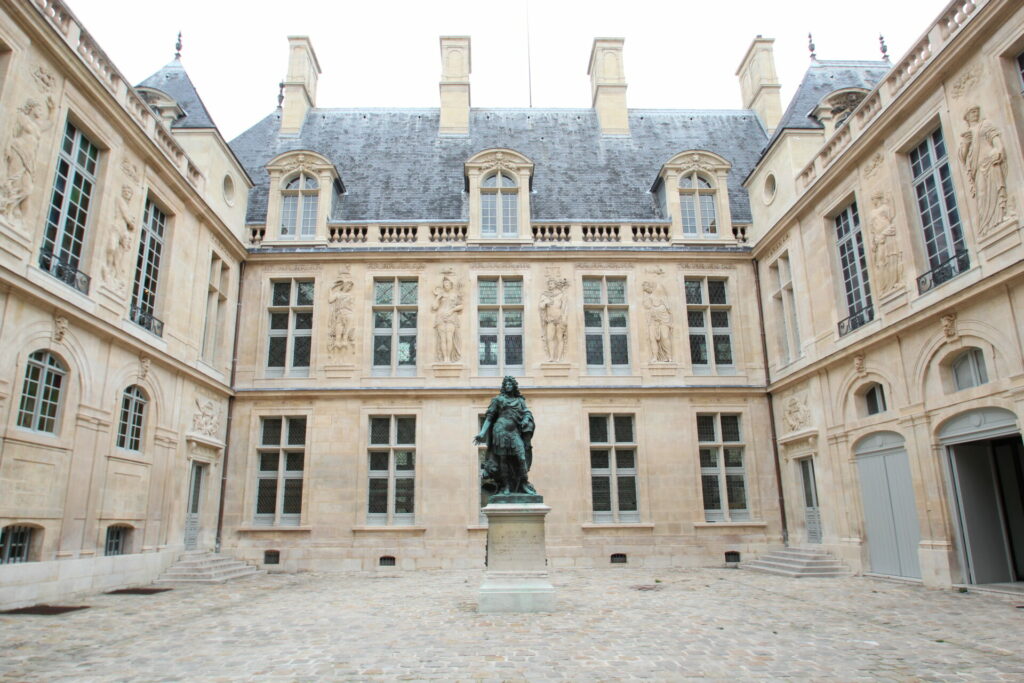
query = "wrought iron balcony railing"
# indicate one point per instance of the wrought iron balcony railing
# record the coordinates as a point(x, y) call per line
point(147, 320)
point(945, 271)
point(64, 271)
point(859, 318)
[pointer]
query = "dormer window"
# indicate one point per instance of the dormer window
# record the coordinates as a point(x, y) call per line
point(300, 200)
point(499, 198)
point(302, 187)
point(498, 181)
point(697, 206)
point(701, 180)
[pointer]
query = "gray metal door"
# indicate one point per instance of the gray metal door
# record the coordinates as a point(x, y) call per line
point(890, 516)
point(195, 490)
point(811, 511)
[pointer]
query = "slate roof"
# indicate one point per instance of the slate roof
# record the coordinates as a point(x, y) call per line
point(822, 78)
point(395, 167)
point(174, 82)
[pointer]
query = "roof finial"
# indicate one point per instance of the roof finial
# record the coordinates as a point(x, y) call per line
point(280, 94)
point(810, 47)
point(883, 47)
point(177, 47)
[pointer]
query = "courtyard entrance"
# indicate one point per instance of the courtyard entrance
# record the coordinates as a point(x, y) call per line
point(192, 511)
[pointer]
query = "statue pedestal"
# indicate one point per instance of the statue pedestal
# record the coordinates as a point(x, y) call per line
point(517, 574)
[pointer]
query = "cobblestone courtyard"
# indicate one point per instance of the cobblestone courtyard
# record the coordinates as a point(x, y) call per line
point(612, 623)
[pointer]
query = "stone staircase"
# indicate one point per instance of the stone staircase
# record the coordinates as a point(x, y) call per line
point(798, 563)
point(200, 566)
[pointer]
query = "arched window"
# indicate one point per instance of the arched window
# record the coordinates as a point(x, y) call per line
point(300, 200)
point(499, 202)
point(40, 394)
point(969, 369)
point(129, 427)
point(697, 206)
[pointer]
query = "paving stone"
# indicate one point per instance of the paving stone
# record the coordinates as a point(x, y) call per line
point(717, 624)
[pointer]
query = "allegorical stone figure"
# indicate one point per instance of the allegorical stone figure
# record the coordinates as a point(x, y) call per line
point(31, 121)
point(984, 158)
point(554, 318)
point(341, 332)
point(884, 248)
point(448, 305)
point(659, 323)
point(508, 431)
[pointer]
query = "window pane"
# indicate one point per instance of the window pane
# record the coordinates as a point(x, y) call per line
point(292, 497)
point(513, 318)
point(616, 318)
point(282, 293)
point(488, 291)
point(488, 349)
point(695, 318)
point(693, 292)
point(627, 494)
point(513, 291)
point(407, 350)
point(616, 291)
point(591, 291)
point(593, 317)
point(379, 461)
point(303, 321)
point(730, 427)
point(296, 431)
point(404, 495)
point(619, 349)
point(723, 349)
point(272, 431)
point(405, 461)
point(268, 462)
point(378, 502)
point(406, 430)
point(279, 321)
point(295, 462)
point(602, 494)
point(598, 429)
point(382, 292)
point(599, 460)
point(733, 457)
point(698, 350)
point(304, 295)
point(708, 217)
point(276, 352)
point(266, 497)
point(300, 352)
point(719, 318)
point(736, 491)
point(595, 349)
point(381, 350)
point(488, 319)
point(382, 320)
point(688, 211)
point(709, 457)
point(380, 430)
point(513, 349)
point(407, 292)
point(706, 428)
point(625, 458)
point(407, 320)
point(624, 428)
point(716, 292)
point(712, 497)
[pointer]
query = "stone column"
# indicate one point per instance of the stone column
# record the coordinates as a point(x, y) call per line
point(517, 575)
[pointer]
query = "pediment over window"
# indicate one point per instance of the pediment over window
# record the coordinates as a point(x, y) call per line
point(696, 160)
point(498, 182)
point(165, 106)
point(838, 105)
point(503, 159)
point(287, 165)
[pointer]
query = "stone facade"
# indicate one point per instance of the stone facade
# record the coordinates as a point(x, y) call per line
point(729, 340)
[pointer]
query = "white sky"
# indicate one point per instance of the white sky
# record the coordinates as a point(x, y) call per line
point(384, 53)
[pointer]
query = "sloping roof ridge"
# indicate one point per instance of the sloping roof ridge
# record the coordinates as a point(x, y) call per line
point(691, 112)
point(853, 62)
point(176, 65)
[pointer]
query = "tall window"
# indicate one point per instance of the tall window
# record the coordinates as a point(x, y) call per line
point(40, 394)
point(67, 220)
point(129, 426)
point(723, 479)
point(940, 219)
point(613, 468)
point(300, 201)
point(499, 206)
point(606, 319)
point(392, 467)
point(282, 464)
point(15, 544)
point(708, 317)
point(784, 305)
point(216, 307)
point(291, 328)
point(850, 244)
point(697, 206)
point(500, 316)
point(147, 269)
point(969, 369)
point(395, 311)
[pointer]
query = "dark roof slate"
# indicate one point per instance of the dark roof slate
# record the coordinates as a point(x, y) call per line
point(174, 82)
point(395, 167)
point(822, 78)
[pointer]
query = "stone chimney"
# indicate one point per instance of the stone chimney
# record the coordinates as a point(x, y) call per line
point(759, 84)
point(608, 85)
point(299, 84)
point(455, 68)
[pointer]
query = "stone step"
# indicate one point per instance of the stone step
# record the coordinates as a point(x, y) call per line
point(219, 577)
point(206, 567)
point(796, 574)
point(797, 568)
point(797, 563)
point(801, 552)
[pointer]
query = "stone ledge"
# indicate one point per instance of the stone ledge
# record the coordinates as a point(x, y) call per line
point(389, 529)
point(719, 525)
point(595, 526)
point(257, 529)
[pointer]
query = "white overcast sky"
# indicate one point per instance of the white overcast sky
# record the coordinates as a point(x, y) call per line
point(384, 53)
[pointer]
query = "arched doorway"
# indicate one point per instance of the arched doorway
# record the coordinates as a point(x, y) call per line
point(986, 466)
point(887, 495)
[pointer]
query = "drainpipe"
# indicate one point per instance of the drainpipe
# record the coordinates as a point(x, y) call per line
point(231, 408)
point(771, 406)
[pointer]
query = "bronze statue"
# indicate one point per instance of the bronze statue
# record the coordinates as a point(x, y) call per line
point(508, 430)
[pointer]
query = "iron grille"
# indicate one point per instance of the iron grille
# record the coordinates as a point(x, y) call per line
point(64, 271)
point(861, 317)
point(944, 272)
point(147, 320)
